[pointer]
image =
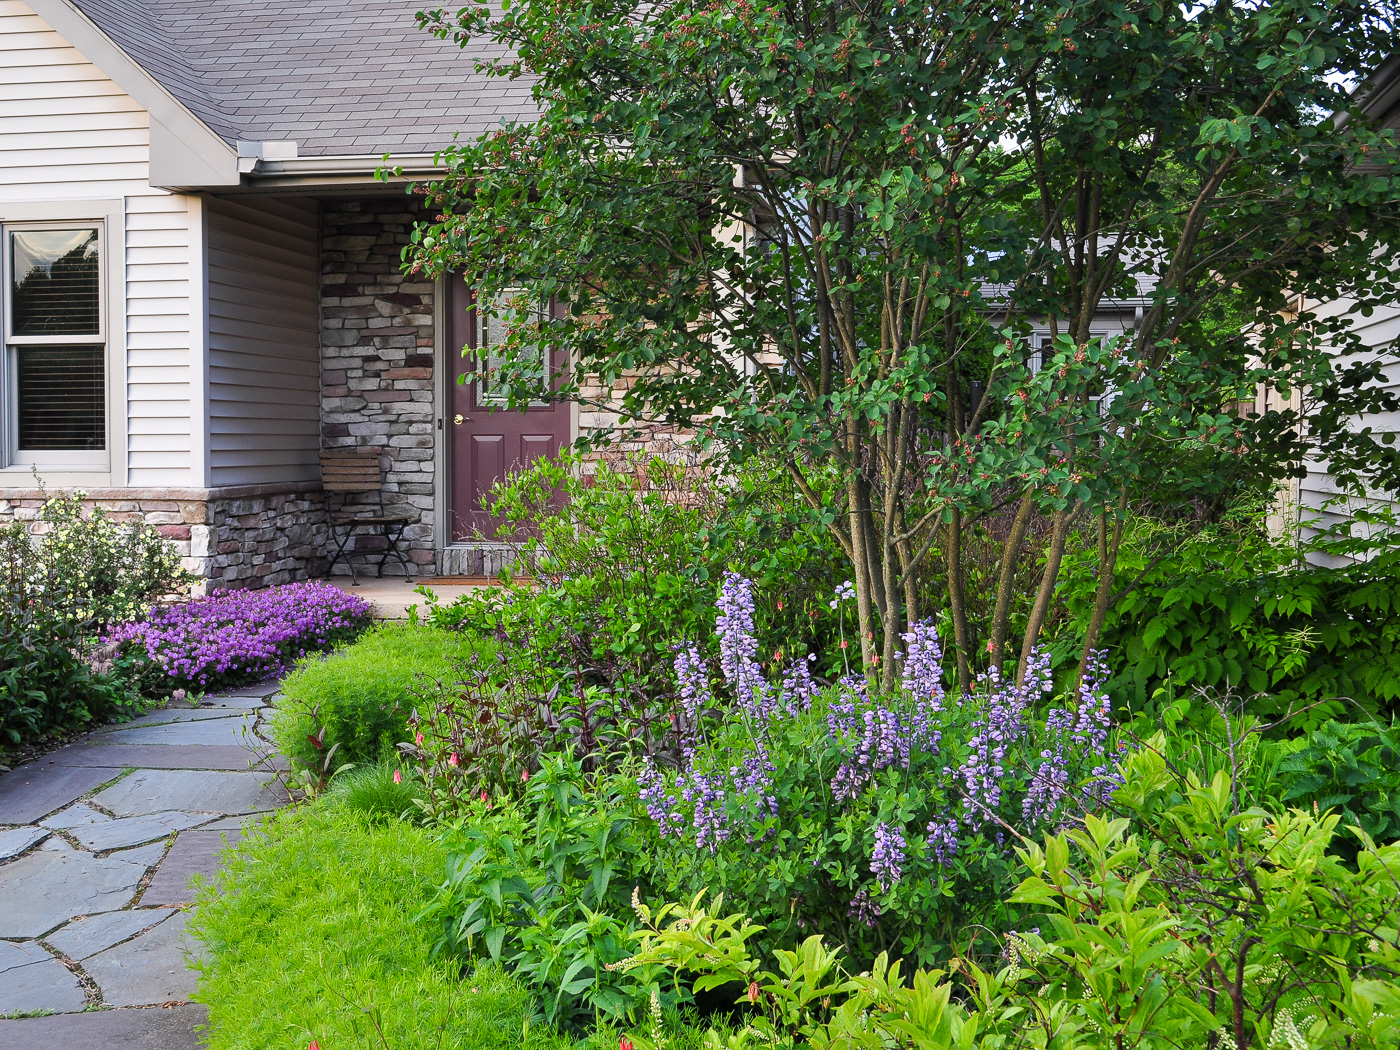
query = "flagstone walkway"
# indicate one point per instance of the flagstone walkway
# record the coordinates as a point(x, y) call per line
point(98, 843)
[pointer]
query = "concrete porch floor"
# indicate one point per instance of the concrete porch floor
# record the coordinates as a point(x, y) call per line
point(393, 596)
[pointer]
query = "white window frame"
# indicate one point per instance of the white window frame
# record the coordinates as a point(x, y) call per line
point(102, 467)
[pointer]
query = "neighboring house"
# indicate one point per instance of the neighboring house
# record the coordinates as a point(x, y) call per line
point(202, 285)
point(1314, 500)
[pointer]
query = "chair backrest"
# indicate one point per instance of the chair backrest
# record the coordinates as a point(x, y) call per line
point(351, 472)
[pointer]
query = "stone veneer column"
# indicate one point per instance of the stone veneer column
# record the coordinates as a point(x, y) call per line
point(377, 354)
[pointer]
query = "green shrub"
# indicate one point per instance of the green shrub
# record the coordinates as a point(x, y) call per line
point(46, 684)
point(92, 570)
point(78, 572)
point(1352, 770)
point(1231, 611)
point(309, 933)
point(545, 884)
point(625, 560)
point(354, 704)
point(1190, 921)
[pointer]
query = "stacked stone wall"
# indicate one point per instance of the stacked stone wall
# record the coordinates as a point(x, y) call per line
point(377, 356)
point(254, 536)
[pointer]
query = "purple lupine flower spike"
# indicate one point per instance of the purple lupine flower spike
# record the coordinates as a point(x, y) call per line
point(887, 856)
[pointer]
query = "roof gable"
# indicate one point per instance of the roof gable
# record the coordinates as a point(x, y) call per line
point(337, 77)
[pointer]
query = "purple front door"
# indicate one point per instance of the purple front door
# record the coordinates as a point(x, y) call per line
point(487, 441)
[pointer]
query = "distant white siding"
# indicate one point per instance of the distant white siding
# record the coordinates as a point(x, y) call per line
point(67, 133)
point(1315, 492)
point(264, 340)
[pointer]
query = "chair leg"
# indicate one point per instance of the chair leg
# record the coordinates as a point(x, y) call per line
point(341, 553)
point(392, 535)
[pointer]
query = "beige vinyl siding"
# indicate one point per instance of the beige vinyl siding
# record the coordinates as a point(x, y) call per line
point(158, 340)
point(64, 127)
point(264, 340)
point(1316, 491)
point(69, 134)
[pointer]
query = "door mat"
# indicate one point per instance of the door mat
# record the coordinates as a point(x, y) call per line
point(469, 581)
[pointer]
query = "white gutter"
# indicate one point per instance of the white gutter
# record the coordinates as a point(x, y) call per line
point(270, 172)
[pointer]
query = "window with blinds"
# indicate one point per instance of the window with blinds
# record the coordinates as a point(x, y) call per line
point(56, 350)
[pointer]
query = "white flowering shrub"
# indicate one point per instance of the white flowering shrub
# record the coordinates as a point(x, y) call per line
point(90, 569)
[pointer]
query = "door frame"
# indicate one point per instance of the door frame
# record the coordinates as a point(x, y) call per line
point(444, 357)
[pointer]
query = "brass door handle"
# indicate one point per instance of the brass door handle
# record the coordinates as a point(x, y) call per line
point(459, 419)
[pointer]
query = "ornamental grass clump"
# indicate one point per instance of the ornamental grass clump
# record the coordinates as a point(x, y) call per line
point(235, 637)
point(886, 819)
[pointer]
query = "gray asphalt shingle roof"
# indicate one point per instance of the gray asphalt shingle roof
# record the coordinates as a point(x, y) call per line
point(338, 77)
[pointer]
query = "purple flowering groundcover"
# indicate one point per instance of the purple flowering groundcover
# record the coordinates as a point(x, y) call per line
point(236, 637)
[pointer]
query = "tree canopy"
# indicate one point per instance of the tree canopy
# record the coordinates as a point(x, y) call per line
point(819, 231)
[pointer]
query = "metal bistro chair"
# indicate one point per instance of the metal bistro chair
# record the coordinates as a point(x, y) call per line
point(351, 474)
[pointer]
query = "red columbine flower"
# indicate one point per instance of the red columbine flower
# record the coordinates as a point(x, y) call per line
point(452, 759)
point(398, 777)
point(313, 1045)
point(624, 1044)
point(753, 991)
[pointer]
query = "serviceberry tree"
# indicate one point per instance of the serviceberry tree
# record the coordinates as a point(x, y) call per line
point(819, 231)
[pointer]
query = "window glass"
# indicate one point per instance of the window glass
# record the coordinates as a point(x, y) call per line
point(54, 282)
point(61, 402)
point(509, 310)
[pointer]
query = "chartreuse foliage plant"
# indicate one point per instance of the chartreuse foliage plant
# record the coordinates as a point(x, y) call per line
point(353, 705)
point(1190, 920)
point(838, 223)
point(308, 934)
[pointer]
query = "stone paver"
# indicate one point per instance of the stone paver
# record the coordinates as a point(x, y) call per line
point(133, 831)
point(230, 703)
point(194, 853)
point(12, 954)
point(75, 816)
point(45, 984)
point(91, 880)
point(165, 715)
point(86, 937)
point(167, 756)
point(16, 840)
point(150, 969)
point(144, 855)
point(155, 790)
point(232, 730)
point(171, 1029)
point(37, 789)
point(43, 889)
